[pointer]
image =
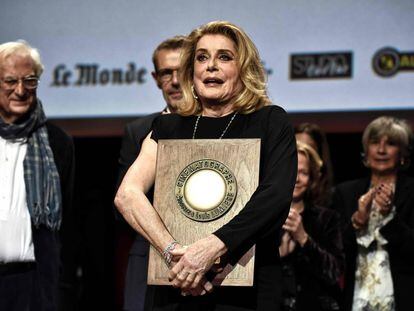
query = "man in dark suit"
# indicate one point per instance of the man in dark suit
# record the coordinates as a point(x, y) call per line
point(36, 185)
point(166, 60)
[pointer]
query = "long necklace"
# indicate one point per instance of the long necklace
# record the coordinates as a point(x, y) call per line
point(222, 134)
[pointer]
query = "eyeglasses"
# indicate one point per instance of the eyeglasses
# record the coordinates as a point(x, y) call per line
point(165, 75)
point(29, 83)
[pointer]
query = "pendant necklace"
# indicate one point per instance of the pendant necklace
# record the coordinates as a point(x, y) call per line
point(222, 134)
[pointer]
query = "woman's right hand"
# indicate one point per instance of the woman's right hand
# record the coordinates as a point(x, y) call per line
point(361, 216)
point(287, 245)
point(194, 262)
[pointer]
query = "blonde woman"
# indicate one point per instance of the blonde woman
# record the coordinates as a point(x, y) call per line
point(224, 93)
point(311, 248)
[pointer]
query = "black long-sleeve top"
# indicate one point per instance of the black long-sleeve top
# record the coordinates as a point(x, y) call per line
point(318, 265)
point(261, 219)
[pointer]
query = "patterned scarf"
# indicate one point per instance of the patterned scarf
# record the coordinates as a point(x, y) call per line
point(43, 194)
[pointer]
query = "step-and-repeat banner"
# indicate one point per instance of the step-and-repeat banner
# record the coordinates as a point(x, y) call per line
point(320, 55)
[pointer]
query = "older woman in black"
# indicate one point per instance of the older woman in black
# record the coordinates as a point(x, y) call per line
point(311, 248)
point(378, 222)
point(224, 93)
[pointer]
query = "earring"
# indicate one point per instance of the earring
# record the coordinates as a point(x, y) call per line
point(193, 92)
point(364, 160)
point(402, 162)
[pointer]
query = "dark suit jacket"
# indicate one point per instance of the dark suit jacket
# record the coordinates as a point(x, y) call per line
point(53, 250)
point(134, 134)
point(136, 278)
point(399, 233)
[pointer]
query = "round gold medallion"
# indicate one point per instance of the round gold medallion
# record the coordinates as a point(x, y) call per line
point(205, 190)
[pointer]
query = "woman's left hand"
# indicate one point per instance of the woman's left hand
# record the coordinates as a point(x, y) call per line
point(195, 260)
point(294, 226)
point(287, 245)
point(383, 198)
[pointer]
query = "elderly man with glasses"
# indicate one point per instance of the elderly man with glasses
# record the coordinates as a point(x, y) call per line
point(36, 182)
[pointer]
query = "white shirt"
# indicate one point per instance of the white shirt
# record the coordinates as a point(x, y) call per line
point(16, 242)
point(374, 288)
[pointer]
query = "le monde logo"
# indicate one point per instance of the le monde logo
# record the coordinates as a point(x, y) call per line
point(93, 75)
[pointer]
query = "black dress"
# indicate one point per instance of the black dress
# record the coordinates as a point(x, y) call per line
point(259, 222)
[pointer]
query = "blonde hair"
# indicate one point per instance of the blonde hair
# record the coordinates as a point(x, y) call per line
point(253, 95)
point(397, 130)
point(22, 48)
point(313, 192)
point(318, 136)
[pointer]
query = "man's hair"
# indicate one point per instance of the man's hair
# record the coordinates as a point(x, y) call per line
point(21, 48)
point(253, 94)
point(173, 43)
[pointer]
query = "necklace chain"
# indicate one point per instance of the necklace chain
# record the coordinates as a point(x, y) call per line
point(222, 134)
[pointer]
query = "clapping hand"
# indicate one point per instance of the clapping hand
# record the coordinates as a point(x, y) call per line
point(294, 226)
point(287, 245)
point(361, 216)
point(383, 198)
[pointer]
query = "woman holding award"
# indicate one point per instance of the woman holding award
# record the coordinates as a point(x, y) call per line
point(224, 96)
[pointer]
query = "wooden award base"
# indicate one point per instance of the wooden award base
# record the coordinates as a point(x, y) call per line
point(174, 162)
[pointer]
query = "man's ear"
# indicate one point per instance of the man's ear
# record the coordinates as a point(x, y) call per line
point(155, 76)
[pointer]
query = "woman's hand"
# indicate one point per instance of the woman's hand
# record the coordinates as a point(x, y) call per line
point(195, 260)
point(294, 226)
point(383, 198)
point(287, 245)
point(361, 216)
point(365, 203)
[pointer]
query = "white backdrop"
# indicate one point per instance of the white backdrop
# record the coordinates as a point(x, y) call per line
point(123, 33)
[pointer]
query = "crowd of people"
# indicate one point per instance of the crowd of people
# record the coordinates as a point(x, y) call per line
point(318, 245)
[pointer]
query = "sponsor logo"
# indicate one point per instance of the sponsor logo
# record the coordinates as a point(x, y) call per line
point(335, 65)
point(91, 74)
point(389, 61)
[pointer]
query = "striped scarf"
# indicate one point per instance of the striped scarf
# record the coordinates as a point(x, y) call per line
point(43, 192)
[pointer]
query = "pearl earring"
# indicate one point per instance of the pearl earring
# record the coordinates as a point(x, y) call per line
point(193, 92)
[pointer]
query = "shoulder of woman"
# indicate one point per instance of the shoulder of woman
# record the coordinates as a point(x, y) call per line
point(323, 214)
point(166, 120)
point(272, 109)
point(405, 180)
point(351, 185)
point(272, 115)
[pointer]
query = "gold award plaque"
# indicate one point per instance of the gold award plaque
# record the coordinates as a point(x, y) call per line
point(205, 190)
